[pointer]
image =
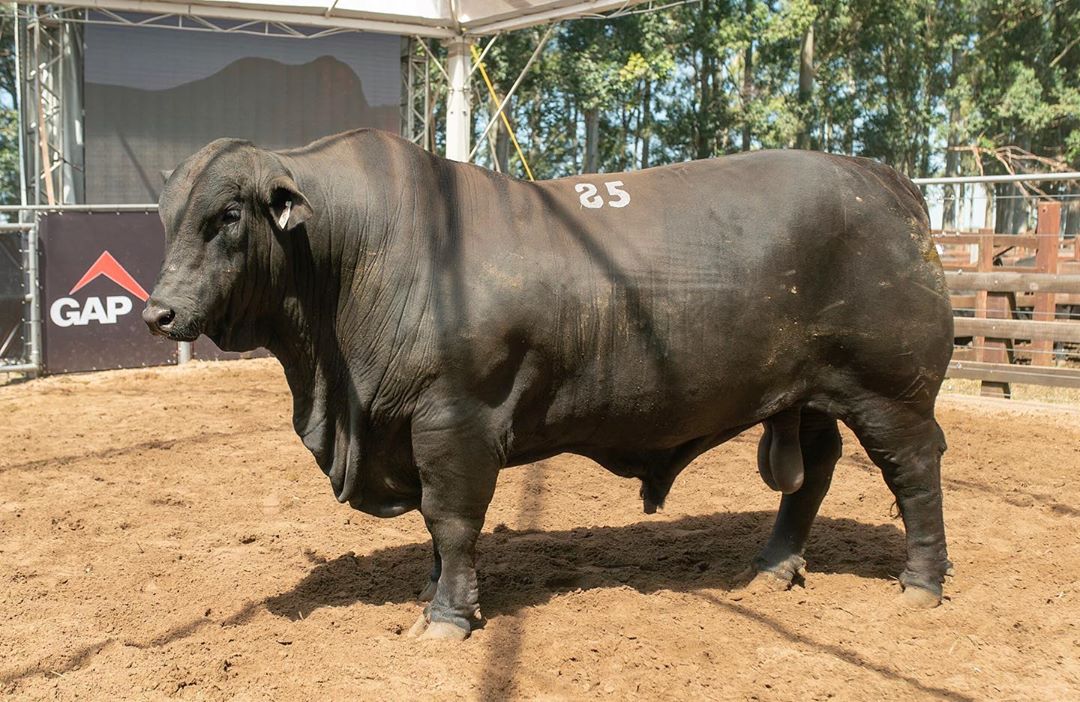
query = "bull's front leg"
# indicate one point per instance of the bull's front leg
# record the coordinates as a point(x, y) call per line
point(427, 593)
point(456, 600)
point(457, 476)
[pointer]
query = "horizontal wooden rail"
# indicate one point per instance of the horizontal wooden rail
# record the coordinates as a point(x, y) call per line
point(1018, 329)
point(1014, 282)
point(998, 239)
point(967, 302)
point(974, 268)
point(1010, 373)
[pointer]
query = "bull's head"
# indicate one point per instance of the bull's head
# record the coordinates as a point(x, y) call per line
point(223, 210)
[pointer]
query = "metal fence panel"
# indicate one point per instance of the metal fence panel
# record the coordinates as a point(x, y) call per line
point(13, 331)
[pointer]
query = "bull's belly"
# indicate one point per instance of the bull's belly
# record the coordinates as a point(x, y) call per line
point(636, 422)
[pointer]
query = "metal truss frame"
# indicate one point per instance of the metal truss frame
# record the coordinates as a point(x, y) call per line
point(51, 144)
point(225, 18)
point(417, 109)
point(185, 22)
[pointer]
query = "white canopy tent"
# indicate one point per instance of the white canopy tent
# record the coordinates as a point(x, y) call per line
point(457, 22)
point(442, 19)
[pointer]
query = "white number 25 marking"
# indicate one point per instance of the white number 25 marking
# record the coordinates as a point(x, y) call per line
point(592, 201)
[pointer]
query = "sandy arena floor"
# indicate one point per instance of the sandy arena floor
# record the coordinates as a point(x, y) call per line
point(164, 534)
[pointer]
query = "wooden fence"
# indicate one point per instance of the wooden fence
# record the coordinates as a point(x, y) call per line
point(1016, 300)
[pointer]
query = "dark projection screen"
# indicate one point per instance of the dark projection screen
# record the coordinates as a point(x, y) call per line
point(155, 96)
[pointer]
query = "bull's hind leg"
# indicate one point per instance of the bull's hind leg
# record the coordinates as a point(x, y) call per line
point(781, 561)
point(907, 444)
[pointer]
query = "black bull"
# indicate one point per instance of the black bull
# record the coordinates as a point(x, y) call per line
point(438, 322)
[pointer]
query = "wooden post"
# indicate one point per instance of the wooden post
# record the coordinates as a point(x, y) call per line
point(985, 250)
point(1047, 230)
point(991, 305)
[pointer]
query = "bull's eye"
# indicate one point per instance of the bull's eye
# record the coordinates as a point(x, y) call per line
point(230, 215)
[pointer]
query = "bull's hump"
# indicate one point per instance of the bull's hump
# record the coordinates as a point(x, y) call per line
point(198, 163)
point(178, 188)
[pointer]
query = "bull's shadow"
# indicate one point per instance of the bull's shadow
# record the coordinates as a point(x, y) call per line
point(520, 569)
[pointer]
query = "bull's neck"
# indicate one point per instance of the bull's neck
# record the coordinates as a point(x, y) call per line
point(330, 332)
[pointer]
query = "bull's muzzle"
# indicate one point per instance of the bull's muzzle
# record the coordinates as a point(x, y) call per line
point(159, 319)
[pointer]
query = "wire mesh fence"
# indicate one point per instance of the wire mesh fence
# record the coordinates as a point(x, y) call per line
point(1005, 207)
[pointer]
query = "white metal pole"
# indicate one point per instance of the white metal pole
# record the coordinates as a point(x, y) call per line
point(33, 298)
point(19, 106)
point(458, 111)
point(32, 314)
point(183, 352)
point(1013, 178)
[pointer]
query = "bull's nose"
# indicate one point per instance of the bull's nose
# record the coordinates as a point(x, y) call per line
point(158, 318)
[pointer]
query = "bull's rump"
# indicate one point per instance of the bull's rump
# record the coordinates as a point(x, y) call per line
point(722, 291)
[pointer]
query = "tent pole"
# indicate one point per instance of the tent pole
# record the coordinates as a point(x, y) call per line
point(458, 111)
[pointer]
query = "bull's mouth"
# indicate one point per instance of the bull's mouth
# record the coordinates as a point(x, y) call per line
point(182, 334)
point(175, 331)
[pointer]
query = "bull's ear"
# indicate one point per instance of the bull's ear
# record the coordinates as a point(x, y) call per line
point(165, 175)
point(288, 206)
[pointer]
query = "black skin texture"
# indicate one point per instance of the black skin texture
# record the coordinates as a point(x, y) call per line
point(438, 322)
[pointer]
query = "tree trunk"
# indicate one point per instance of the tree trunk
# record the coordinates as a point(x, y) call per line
point(747, 83)
point(704, 136)
point(502, 148)
point(806, 86)
point(572, 134)
point(952, 156)
point(592, 141)
point(701, 124)
point(1012, 209)
point(646, 123)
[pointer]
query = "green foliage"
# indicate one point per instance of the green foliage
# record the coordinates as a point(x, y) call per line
point(9, 116)
point(994, 83)
point(904, 81)
point(9, 156)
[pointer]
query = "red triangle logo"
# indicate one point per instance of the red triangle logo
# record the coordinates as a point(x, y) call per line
point(109, 267)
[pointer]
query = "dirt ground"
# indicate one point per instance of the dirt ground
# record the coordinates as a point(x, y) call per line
point(164, 534)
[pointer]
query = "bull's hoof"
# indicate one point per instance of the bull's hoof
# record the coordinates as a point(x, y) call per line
point(444, 631)
point(919, 598)
point(423, 630)
point(788, 571)
point(428, 593)
point(752, 581)
point(418, 627)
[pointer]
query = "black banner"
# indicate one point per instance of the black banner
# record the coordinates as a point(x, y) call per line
point(99, 270)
